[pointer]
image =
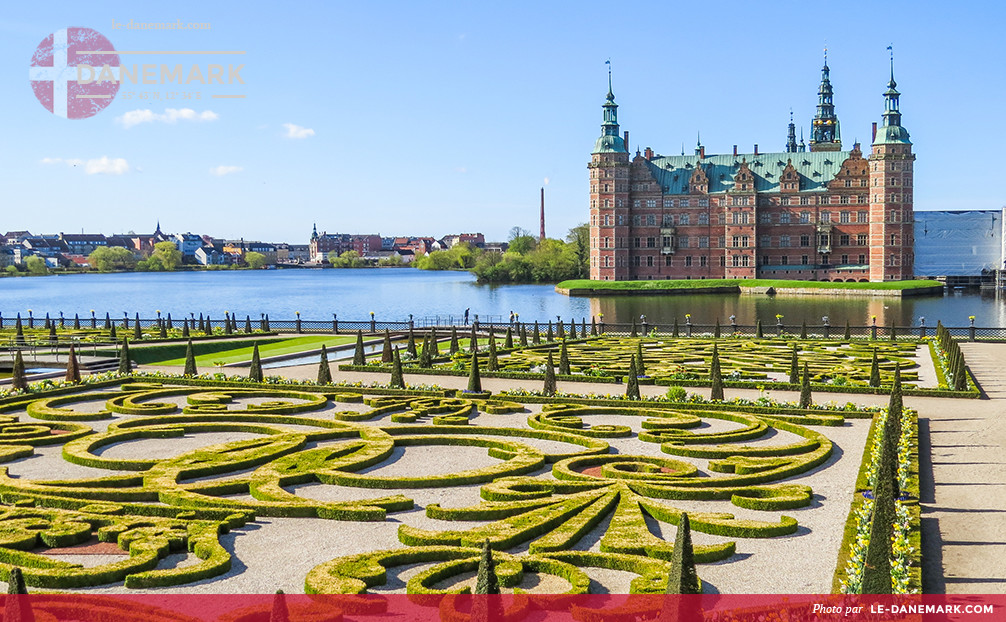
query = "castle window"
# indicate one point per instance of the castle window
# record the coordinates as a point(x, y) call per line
point(649, 260)
point(804, 200)
point(804, 217)
point(703, 261)
point(722, 242)
point(703, 241)
point(784, 241)
point(651, 203)
point(765, 218)
point(651, 242)
point(684, 203)
point(766, 241)
point(688, 261)
point(723, 261)
point(745, 259)
point(651, 220)
point(637, 220)
point(804, 240)
point(844, 199)
point(862, 259)
point(862, 216)
point(737, 241)
point(703, 219)
point(784, 218)
point(637, 203)
point(605, 187)
point(845, 259)
point(744, 241)
point(666, 240)
point(621, 219)
point(784, 260)
point(635, 242)
point(668, 220)
point(825, 216)
point(635, 260)
point(861, 239)
point(607, 202)
point(667, 260)
point(894, 240)
point(803, 260)
point(720, 218)
point(683, 241)
point(848, 183)
point(735, 218)
point(844, 217)
point(784, 201)
point(744, 218)
point(736, 261)
point(843, 240)
point(703, 202)
point(684, 219)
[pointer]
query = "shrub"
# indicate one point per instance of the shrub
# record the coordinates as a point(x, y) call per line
point(125, 366)
point(549, 388)
point(255, 370)
point(190, 361)
point(359, 357)
point(715, 377)
point(397, 380)
point(632, 381)
point(805, 397)
point(324, 371)
point(474, 380)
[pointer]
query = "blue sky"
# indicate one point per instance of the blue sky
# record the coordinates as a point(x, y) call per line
point(426, 119)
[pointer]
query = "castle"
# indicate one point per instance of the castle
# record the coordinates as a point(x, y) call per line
point(821, 213)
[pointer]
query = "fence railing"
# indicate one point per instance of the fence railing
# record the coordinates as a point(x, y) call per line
point(233, 324)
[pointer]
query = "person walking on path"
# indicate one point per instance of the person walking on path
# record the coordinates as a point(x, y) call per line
point(466, 315)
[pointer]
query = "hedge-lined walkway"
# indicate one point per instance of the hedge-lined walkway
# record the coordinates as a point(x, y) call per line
point(964, 500)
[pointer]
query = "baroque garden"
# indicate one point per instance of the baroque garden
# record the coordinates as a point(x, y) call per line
point(167, 479)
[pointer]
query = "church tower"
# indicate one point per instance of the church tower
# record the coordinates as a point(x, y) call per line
point(891, 188)
point(826, 134)
point(609, 198)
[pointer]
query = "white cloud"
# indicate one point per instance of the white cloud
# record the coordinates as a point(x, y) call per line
point(222, 170)
point(170, 115)
point(547, 180)
point(296, 131)
point(95, 166)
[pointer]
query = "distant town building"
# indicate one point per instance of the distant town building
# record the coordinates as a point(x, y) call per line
point(84, 243)
point(188, 244)
point(473, 239)
point(821, 213)
point(14, 238)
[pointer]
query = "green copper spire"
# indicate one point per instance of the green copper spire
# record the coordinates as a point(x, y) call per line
point(610, 141)
point(824, 135)
point(791, 136)
point(891, 131)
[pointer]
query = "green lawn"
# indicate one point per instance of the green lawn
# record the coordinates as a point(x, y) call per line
point(270, 348)
point(706, 283)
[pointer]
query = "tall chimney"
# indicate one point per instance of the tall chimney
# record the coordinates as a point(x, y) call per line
point(756, 149)
point(702, 151)
point(874, 139)
point(626, 140)
point(735, 151)
point(541, 234)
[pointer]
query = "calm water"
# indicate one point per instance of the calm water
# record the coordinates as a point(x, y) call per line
point(392, 294)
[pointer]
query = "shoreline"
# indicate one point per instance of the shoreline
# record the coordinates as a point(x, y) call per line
point(580, 288)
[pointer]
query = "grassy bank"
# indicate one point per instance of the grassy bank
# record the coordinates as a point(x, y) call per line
point(699, 284)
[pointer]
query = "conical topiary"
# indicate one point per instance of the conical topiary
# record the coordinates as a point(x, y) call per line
point(76, 321)
point(255, 370)
point(794, 367)
point(454, 348)
point(894, 332)
point(564, 360)
point(536, 335)
point(137, 333)
point(508, 341)
point(209, 325)
point(487, 606)
point(632, 381)
point(675, 331)
point(550, 336)
point(759, 333)
point(434, 343)
point(493, 364)
point(640, 366)
point(874, 371)
point(523, 335)
point(682, 578)
point(803, 330)
point(716, 329)
point(634, 332)
point(162, 331)
point(550, 386)
point(387, 355)
point(190, 361)
point(593, 327)
point(228, 327)
point(473, 340)
point(474, 379)
point(52, 333)
point(893, 430)
point(848, 332)
point(248, 328)
point(487, 582)
point(72, 368)
point(108, 321)
point(359, 356)
point(125, 365)
point(16, 585)
point(410, 345)
point(280, 612)
point(185, 328)
point(324, 371)
point(18, 378)
point(560, 332)
point(397, 378)
point(877, 562)
point(805, 398)
point(112, 334)
point(425, 356)
point(715, 376)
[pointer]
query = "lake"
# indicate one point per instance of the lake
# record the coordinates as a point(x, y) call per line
point(392, 294)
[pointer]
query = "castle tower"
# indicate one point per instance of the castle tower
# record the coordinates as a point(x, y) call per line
point(891, 189)
point(825, 133)
point(609, 198)
point(791, 136)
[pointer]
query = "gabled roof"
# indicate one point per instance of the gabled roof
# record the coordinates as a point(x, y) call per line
point(816, 169)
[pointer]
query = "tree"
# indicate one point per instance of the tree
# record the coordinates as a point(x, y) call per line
point(794, 367)
point(682, 578)
point(386, 354)
point(579, 238)
point(640, 366)
point(324, 371)
point(112, 258)
point(715, 377)
point(125, 365)
point(549, 388)
point(803, 330)
point(805, 398)
point(36, 265)
point(255, 261)
point(410, 346)
point(397, 378)
point(255, 371)
point(348, 259)
point(19, 381)
point(877, 562)
point(190, 361)
point(474, 379)
point(359, 357)
point(564, 360)
point(632, 381)
point(72, 368)
point(167, 254)
point(455, 347)
point(874, 371)
point(493, 364)
point(486, 605)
